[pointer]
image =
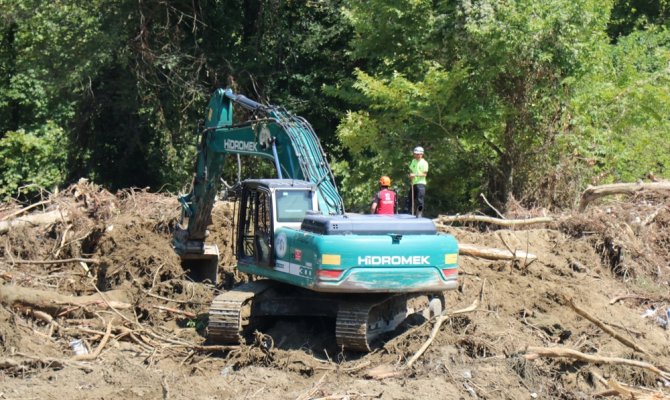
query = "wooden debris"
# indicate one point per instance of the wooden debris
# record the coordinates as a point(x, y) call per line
point(21, 363)
point(533, 353)
point(25, 209)
point(493, 253)
point(447, 219)
point(627, 392)
point(55, 303)
point(605, 328)
point(34, 219)
point(98, 350)
point(630, 296)
point(388, 371)
point(61, 261)
point(176, 311)
point(316, 388)
point(438, 324)
point(384, 371)
point(594, 192)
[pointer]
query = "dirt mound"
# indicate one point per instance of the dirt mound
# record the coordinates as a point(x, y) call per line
point(103, 271)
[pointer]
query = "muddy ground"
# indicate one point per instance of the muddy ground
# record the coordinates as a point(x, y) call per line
point(109, 277)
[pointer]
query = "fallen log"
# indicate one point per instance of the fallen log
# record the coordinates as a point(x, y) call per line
point(493, 253)
point(445, 219)
point(34, 219)
point(55, 303)
point(594, 192)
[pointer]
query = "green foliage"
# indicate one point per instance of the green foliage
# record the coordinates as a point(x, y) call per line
point(197, 324)
point(508, 97)
point(55, 48)
point(391, 35)
point(484, 90)
point(129, 85)
point(622, 113)
point(401, 115)
point(282, 53)
point(31, 160)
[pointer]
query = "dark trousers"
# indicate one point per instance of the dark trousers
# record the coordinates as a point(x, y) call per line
point(419, 196)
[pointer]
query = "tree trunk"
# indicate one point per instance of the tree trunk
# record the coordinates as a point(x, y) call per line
point(34, 219)
point(594, 192)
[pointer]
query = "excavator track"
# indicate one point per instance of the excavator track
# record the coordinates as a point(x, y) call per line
point(351, 329)
point(230, 311)
point(360, 325)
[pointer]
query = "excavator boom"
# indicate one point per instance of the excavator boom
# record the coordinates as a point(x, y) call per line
point(274, 134)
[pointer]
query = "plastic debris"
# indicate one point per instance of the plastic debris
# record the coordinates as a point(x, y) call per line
point(78, 347)
point(662, 321)
point(648, 313)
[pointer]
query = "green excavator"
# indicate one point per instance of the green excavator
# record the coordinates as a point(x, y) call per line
point(292, 234)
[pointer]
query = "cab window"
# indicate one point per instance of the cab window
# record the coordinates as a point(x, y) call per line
point(293, 204)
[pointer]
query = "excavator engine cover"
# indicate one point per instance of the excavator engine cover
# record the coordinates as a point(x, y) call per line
point(356, 224)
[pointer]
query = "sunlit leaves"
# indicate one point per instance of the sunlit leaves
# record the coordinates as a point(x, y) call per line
point(622, 114)
point(30, 161)
point(482, 84)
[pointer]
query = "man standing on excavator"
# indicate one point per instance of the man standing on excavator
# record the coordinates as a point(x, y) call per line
point(385, 200)
point(418, 170)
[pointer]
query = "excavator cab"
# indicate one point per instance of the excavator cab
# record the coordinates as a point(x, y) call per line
point(266, 205)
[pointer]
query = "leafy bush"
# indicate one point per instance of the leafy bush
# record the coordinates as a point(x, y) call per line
point(31, 160)
point(621, 111)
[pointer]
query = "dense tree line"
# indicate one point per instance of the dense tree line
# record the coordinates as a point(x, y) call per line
point(509, 97)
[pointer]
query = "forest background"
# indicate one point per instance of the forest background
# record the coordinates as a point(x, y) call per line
point(524, 99)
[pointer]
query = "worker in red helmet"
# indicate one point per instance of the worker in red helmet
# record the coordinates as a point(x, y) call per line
point(384, 201)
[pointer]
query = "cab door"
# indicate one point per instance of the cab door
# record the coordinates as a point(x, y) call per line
point(255, 239)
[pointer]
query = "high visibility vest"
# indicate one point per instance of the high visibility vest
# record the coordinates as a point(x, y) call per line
point(418, 167)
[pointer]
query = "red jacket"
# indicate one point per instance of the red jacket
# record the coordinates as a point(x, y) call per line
point(385, 200)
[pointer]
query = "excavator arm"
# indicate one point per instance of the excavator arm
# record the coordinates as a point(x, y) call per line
point(275, 134)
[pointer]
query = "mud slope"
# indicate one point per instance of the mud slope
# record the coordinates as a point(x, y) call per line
point(108, 276)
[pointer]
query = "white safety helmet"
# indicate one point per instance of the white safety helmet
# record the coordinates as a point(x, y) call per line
point(418, 150)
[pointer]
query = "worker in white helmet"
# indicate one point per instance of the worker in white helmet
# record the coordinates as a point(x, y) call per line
point(418, 170)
